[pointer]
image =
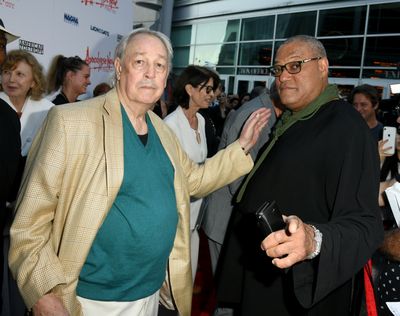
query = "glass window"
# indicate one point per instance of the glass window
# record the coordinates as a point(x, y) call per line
point(177, 71)
point(258, 28)
point(255, 53)
point(382, 51)
point(344, 51)
point(291, 24)
point(217, 32)
point(276, 47)
point(384, 18)
point(222, 83)
point(243, 87)
point(344, 73)
point(181, 35)
point(345, 21)
point(181, 56)
point(226, 70)
point(231, 82)
point(224, 54)
point(381, 73)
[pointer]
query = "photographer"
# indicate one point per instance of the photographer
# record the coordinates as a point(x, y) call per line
point(365, 100)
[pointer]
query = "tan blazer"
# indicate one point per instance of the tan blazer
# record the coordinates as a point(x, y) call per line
point(73, 174)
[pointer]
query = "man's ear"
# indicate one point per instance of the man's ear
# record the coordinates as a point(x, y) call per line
point(323, 64)
point(118, 67)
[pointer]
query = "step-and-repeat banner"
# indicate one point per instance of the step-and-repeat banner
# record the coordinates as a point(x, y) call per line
point(89, 29)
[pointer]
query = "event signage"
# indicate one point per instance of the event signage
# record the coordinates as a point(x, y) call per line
point(111, 5)
point(71, 19)
point(90, 29)
point(99, 30)
point(252, 71)
point(31, 47)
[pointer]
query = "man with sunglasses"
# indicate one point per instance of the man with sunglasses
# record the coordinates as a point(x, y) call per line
point(321, 167)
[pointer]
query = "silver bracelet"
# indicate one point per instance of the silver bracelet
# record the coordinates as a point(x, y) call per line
point(318, 243)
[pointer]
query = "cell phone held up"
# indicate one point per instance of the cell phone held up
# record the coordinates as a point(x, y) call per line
point(269, 218)
point(389, 134)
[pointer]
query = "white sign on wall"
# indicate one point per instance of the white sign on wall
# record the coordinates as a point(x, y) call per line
point(89, 29)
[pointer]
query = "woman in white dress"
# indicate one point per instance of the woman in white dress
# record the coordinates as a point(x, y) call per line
point(194, 90)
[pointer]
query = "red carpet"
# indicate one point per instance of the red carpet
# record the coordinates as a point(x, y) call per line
point(204, 300)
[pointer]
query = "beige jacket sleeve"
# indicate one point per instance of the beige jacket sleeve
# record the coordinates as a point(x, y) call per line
point(31, 250)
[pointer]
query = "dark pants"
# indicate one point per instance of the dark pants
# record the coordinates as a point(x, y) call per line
point(162, 311)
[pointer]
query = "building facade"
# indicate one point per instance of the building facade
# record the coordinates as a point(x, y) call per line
point(239, 39)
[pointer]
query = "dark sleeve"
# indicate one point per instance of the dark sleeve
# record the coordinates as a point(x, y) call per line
point(234, 124)
point(389, 166)
point(211, 134)
point(10, 144)
point(12, 195)
point(354, 230)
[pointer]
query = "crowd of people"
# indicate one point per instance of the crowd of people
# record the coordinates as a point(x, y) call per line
point(102, 199)
point(386, 260)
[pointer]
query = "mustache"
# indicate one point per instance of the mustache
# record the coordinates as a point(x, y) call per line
point(147, 83)
point(284, 86)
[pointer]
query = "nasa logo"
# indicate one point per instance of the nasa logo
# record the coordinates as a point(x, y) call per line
point(71, 19)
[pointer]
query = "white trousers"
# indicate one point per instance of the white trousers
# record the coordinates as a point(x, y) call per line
point(147, 306)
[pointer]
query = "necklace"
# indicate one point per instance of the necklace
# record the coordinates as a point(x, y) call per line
point(193, 123)
point(198, 138)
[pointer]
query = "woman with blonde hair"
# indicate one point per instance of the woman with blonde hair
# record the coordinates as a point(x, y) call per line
point(23, 85)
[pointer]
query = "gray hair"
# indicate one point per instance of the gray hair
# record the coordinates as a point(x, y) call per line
point(312, 42)
point(120, 50)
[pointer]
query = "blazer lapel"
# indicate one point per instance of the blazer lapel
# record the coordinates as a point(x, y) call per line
point(113, 145)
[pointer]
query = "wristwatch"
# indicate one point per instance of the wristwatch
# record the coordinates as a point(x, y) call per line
point(318, 243)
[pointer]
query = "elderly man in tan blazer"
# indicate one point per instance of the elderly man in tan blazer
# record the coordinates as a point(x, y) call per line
point(76, 172)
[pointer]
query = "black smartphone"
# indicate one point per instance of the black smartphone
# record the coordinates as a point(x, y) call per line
point(269, 218)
